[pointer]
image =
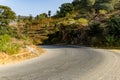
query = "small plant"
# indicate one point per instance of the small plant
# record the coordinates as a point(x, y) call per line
point(103, 12)
point(7, 46)
point(110, 40)
point(12, 49)
point(83, 21)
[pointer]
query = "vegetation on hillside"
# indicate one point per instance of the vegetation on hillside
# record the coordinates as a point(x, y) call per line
point(10, 38)
point(14, 45)
point(85, 22)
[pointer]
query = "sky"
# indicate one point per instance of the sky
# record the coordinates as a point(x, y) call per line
point(33, 7)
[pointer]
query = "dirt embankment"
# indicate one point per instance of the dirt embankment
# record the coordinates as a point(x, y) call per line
point(28, 52)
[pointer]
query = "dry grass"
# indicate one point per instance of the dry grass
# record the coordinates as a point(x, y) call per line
point(24, 54)
point(115, 50)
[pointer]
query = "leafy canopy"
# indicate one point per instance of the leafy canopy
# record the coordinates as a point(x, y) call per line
point(6, 15)
point(65, 9)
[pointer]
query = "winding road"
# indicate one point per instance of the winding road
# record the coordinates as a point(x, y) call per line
point(66, 63)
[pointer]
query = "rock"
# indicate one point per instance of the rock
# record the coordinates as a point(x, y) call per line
point(32, 50)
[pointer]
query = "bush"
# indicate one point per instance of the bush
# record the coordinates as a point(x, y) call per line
point(10, 31)
point(110, 40)
point(95, 29)
point(83, 21)
point(11, 49)
point(95, 34)
point(7, 46)
point(105, 6)
point(114, 26)
point(113, 31)
point(103, 12)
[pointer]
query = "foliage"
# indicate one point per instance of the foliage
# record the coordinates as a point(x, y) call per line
point(30, 18)
point(49, 13)
point(114, 26)
point(117, 5)
point(43, 15)
point(90, 2)
point(83, 21)
point(8, 47)
point(105, 6)
point(9, 30)
point(76, 4)
point(65, 9)
point(95, 29)
point(95, 34)
point(110, 40)
point(94, 4)
point(103, 12)
point(6, 15)
point(91, 24)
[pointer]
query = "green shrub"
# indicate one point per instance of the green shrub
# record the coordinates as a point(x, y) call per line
point(110, 40)
point(83, 21)
point(11, 49)
point(114, 26)
point(103, 12)
point(10, 31)
point(113, 31)
point(90, 2)
point(95, 29)
point(7, 46)
point(95, 34)
point(105, 6)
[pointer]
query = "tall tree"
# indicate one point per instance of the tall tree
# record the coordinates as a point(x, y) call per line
point(43, 15)
point(30, 18)
point(90, 2)
point(66, 8)
point(6, 15)
point(49, 13)
point(97, 4)
point(108, 5)
point(76, 4)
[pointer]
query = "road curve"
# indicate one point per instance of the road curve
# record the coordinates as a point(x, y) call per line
point(66, 63)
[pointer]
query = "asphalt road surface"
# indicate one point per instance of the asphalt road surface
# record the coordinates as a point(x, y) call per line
point(66, 63)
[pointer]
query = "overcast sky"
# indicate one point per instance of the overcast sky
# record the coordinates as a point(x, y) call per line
point(34, 7)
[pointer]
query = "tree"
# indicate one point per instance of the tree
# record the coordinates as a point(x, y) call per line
point(65, 9)
point(76, 4)
point(107, 1)
point(30, 18)
point(6, 15)
point(95, 30)
point(83, 3)
point(37, 17)
point(114, 26)
point(49, 13)
point(96, 4)
point(90, 2)
point(105, 6)
point(43, 15)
